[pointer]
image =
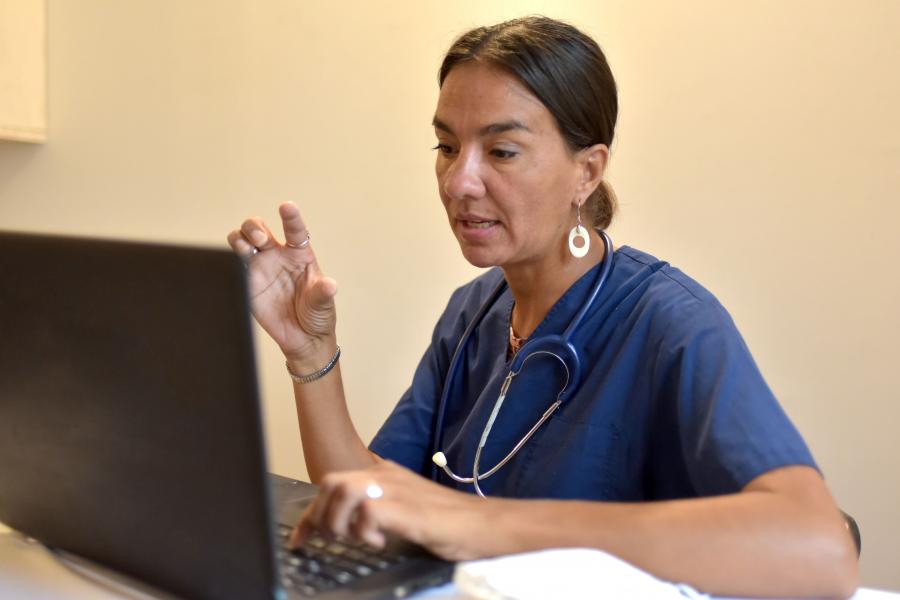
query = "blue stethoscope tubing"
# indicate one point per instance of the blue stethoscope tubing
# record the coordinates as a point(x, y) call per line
point(558, 346)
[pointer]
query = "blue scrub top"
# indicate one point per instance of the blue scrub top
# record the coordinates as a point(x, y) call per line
point(670, 405)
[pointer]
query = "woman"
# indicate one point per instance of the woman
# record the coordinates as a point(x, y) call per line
point(669, 449)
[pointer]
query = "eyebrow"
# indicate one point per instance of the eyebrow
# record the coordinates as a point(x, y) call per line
point(492, 129)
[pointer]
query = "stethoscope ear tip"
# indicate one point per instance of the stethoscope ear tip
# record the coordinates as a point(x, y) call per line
point(439, 459)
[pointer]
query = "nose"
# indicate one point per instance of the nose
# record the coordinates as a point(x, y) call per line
point(463, 177)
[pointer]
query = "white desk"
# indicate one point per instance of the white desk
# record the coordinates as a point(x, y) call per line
point(27, 570)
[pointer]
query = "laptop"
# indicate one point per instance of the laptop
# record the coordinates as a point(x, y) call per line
point(130, 428)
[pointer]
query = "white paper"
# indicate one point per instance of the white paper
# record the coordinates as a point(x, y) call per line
point(571, 573)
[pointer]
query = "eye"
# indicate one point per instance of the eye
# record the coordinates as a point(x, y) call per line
point(503, 154)
point(444, 149)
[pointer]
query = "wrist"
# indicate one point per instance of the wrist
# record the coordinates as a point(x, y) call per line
point(317, 374)
point(312, 357)
point(481, 537)
point(513, 525)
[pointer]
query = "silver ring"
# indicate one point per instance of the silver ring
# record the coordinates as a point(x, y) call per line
point(374, 491)
point(301, 245)
point(254, 252)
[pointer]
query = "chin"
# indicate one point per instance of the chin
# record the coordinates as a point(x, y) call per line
point(477, 257)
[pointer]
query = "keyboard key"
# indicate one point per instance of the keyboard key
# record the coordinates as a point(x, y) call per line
point(337, 574)
point(324, 563)
point(336, 548)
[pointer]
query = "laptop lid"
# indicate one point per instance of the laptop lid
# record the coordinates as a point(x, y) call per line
point(130, 431)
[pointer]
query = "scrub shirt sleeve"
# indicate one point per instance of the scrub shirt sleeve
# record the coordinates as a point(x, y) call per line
point(406, 437)
point(731, 428)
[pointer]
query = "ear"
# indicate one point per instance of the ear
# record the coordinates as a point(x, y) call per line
point(591, 163)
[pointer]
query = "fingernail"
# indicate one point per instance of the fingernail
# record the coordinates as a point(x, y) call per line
point(375, 539)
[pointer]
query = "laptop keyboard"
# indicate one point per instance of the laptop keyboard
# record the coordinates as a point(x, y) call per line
point(322, 564)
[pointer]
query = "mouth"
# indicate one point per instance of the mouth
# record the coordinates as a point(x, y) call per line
point(477, 224)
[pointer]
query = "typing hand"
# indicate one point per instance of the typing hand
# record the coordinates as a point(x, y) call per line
point(290, 297)
point(387, 498)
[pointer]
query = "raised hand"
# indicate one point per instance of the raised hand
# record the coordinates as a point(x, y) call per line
point(290, 297)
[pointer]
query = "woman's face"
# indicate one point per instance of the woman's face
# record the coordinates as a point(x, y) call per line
point(505, 174)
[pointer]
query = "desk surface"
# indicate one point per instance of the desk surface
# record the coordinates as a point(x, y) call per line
point(28, 570)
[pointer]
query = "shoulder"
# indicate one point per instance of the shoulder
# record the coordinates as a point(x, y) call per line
point(665, 281)
point(665, 307)
point(667, 300)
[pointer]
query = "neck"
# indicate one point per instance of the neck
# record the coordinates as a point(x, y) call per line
point(536, 287)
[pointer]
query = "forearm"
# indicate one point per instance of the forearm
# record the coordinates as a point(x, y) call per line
point(330, 441)
point(754, 543)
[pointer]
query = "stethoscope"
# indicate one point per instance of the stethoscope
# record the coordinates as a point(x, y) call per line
point(559, 347)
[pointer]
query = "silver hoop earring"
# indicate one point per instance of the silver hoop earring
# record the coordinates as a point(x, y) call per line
point(579, 232)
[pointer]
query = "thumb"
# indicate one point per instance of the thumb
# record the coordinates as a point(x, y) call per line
point(322, 293)
point(315, 308)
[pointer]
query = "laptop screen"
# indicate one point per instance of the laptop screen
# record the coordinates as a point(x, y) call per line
point(130, 431)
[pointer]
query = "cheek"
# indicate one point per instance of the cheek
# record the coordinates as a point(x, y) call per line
point(559, 188)
point(546, 203)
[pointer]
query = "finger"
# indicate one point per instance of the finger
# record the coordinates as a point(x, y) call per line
point(240, 245)
point(342, 505)
point(315, 512)
point(296, 235)
point(302, 530)
point(365, 524)
point(396, 517)
point(256, 233)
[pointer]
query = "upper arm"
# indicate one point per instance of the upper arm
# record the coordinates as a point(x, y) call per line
point(731, 428)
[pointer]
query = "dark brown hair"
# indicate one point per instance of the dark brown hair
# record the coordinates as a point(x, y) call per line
point(566, 70)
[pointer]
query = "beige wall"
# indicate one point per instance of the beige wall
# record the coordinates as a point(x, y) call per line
point(757, 149)
point(23, 70)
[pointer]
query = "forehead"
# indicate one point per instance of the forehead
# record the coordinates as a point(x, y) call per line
point(475, 95)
